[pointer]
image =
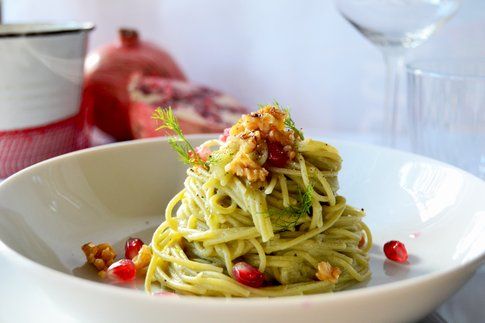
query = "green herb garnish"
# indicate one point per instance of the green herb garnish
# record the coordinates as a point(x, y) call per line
point(179, 142)
point(289, 123)
point(277, 104)
point(294, 213)
point(305, 200)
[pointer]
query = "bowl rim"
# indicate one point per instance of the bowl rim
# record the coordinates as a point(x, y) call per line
point(12, 30)
point(134, 294)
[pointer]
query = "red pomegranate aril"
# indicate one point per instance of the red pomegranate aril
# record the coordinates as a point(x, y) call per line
point(396, 251)
point(225, 135)
point(247, 274)
point(203, 153)
point(122, 271)
point(163, 293)
point(132, 246)
point(277, 157)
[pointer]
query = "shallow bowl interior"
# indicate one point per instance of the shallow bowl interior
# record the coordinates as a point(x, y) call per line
point(110, 193)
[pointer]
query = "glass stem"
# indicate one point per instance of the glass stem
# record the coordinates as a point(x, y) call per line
point(394, 61)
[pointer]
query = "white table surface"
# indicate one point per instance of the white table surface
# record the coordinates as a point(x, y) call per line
point(23, 302)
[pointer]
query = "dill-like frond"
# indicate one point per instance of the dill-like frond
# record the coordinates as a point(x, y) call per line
point(294, 212)
point(179, 142)
point(289, 123)
point(306, 200)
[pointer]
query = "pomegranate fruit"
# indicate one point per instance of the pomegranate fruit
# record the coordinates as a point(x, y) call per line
point(107, 73)
point(197, 108)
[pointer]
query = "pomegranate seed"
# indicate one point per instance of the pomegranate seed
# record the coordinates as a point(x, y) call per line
point(225, 135)
point(396, 251)
point(203, 153)
point(122, 271)
point(277, 157)
point(132, 246)
point(163, 293)
point(247, 275)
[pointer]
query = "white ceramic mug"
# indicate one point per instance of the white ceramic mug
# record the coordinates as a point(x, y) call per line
point(41, 74)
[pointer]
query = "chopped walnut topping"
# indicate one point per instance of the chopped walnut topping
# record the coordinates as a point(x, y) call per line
point(101, 256)
point(327, 272)
point(250, 136)
point(142, 260)
point(244, 166)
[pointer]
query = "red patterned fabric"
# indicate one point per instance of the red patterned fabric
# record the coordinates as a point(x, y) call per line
point(24, 147)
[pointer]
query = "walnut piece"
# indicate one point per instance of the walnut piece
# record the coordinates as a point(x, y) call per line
point(328, 273)
point(142, 260)
point(250, 136)
point(100, 256)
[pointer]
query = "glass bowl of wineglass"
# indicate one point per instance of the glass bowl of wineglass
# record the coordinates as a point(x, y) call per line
point(395, 26)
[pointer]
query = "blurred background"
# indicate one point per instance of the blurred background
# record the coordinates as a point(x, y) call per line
point(302, 53)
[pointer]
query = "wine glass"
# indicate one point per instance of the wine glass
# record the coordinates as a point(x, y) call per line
point(395, 26)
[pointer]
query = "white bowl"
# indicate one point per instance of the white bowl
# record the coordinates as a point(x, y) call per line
point(109, 193)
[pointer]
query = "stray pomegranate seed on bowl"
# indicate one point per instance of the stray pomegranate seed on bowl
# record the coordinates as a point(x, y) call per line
point(162, 293)
point(121, 271)
point(396, 251)
point(132, 247)
point(247, 275)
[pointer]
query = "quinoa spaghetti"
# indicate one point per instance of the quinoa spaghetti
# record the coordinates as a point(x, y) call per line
point(264, 199)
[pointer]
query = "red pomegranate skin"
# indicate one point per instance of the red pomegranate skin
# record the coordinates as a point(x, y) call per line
point(107, 73)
